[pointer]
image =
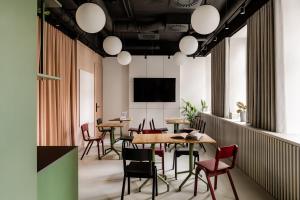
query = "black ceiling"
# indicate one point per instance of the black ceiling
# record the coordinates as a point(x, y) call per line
point(152, 27)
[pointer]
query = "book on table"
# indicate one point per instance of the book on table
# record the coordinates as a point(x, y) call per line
point(194, 135)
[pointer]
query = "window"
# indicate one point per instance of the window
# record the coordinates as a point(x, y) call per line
point(236, 53)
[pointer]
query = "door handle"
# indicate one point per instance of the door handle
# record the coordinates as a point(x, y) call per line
point(97, 106)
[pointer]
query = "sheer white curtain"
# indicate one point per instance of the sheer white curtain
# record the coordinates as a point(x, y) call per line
point(236, 52)
point(287, 42)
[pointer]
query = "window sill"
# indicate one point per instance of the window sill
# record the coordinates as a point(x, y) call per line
point(286, 137)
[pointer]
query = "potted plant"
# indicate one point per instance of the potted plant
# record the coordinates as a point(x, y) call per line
point(242, 108)
point(204, 105)
point(188, 110)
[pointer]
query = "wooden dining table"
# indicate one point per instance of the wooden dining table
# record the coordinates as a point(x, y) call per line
point(176, 122)
point(112, 126)
point(118, 119)
point(167, 138)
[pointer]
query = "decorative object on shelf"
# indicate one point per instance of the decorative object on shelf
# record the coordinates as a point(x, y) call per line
point(124, 58)
point(112, 45)
point(204, 106)
point(242, 108)
point(188, 45)
point(189, 110)
point(205, 19)
point(90, 17)
point(179, 58)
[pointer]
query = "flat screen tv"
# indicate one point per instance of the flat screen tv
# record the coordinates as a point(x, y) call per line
point(154, 89)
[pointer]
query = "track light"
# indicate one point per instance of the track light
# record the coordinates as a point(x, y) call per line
point(168, 56)
point(226, 26)
point(243, 10)
point(215, 39)
point(145, 56)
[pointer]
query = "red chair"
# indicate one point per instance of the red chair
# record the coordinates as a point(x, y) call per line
point(86, 137)
point(215, 167)
point(159, 151)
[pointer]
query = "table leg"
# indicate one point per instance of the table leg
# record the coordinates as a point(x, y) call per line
point(158, 175)
point(191, 148)
point(112, 142)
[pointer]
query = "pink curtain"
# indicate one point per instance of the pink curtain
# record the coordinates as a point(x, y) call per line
point(57, 99)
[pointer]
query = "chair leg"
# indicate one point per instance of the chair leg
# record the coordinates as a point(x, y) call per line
point(173, 165)
point(123, 188)
point(99, 157)
point(232, 185)
point(202, 146)
point(216, 182)
point(163, 164)
point(153, 188)
point(128, 178)
point(156, 185)
point(175, 161)
point(102, 147)
point(196, 182)
point(89, 148)
point(210, 188)
point(85, 150)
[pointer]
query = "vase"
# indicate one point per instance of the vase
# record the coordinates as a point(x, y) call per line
point(243, 116)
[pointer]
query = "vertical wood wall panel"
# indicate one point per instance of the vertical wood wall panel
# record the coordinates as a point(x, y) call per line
point(272, 162)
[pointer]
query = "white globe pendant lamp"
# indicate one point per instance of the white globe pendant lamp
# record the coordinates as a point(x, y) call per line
point(205, 19)
point(90, 17)
point(112, 45)
point(124, 58)
point(179, 58)
point(188, 45)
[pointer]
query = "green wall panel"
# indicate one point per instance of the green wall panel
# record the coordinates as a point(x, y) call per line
point(18, 174)
point(59, 180)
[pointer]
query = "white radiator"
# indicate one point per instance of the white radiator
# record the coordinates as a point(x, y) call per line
point(272, 162)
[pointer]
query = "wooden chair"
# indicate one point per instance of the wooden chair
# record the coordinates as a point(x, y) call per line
point(152, 127)
point(215, 167)
point(86, 137)
point(101, 129)
point(159, 151)
point(141, 166)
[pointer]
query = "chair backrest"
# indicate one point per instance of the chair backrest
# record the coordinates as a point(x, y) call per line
point(153, 124)
point(137, 154)
point(139, 128)
point(151, 127)
point(202, 128)
point(85, 131)
point(143, 124)
point(226, 152)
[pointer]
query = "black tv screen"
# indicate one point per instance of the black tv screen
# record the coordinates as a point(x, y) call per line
point(154, 89)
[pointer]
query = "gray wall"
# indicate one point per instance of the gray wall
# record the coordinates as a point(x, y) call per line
point(18, 100)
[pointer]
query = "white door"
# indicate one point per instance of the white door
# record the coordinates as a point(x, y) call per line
point(87, 100)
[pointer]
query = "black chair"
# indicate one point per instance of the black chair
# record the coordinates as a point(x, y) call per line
point(141, 166)
point(127, 140)
point(184, 151)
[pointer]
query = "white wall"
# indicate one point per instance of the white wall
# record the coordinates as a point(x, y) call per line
point(195, 81)
point(192, 84)
point(115, 88)
point(154, 67)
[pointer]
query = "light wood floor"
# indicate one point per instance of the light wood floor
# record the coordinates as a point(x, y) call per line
point(102, 180)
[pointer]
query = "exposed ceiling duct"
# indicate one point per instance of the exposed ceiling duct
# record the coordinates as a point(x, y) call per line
point(189, 4)
point(120, 27)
